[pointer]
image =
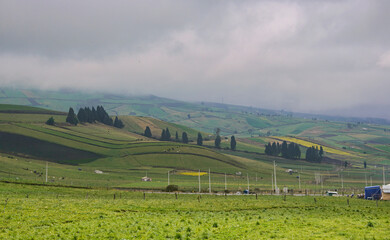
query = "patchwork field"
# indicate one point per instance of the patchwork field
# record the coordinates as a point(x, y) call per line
point(123, 156)
point(311, 144)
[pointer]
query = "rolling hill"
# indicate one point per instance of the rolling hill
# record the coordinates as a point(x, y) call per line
point(204, 116)
point(124, 156)
point(75, 152)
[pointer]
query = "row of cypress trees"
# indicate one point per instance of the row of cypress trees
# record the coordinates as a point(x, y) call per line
point(290, 151)
point(313, 154)
point(92, 115)
point(166, 136)
point(233, 143)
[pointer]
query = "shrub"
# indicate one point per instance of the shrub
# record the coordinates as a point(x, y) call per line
point(172, 188)
point(50, 121)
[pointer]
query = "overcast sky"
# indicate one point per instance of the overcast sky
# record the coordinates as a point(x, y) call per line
point(307, 56)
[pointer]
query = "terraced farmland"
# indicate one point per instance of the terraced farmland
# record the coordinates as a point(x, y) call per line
point(74, 154)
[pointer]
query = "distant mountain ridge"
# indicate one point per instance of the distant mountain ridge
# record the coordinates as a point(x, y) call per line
point(203, 116)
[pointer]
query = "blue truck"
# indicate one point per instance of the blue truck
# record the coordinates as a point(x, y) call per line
point(372, 193)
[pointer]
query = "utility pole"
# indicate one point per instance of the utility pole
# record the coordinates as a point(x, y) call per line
point(342, 181)
point(371, 180)
point(199, 180)
point(247, 178)
point(276, 186)
point(225, 183)
point(365, 176)
point(384, 176)
point(272, 180)
point(299, 178)
point(46, 170)
point(209, 182)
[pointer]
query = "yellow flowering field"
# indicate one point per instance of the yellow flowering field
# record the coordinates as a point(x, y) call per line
point(310, 144)
point(193, 173)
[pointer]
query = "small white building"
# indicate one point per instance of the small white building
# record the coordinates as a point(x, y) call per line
point(331, 193)
point(386, 192)
point(98, 172)
point(146, 179)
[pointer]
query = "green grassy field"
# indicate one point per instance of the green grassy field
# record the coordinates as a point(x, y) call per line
point(91, 164)
point(65, 213)
point(75, 152)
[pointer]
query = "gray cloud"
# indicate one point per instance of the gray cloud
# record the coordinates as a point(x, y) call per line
point(308, 56)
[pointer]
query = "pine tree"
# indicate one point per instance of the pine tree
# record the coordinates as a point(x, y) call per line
point(291, 151)
point(163, 135)
point(50, 121)
point(71, 118)
point(321, 153)
point(184, 137)
point(118, 123)
point(274, 149)
point(147, 132)
point(94, 114)
point(167, 135)
point(100, 114)
point(199, 140)
point(312, 154)
point(284, 149)
point(81, 115)
point(279, 148)
point(297, 151)
point(88, 112)
point(233, 143)
point(268, 149)
point(217, 142)
point(177, 137)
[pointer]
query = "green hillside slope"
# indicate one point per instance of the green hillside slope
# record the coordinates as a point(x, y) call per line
point(124, 156)
point(138, 125)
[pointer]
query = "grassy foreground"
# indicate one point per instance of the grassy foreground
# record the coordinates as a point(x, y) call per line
point(36, 212)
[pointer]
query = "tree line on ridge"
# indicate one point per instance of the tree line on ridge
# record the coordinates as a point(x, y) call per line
point(88, 115)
